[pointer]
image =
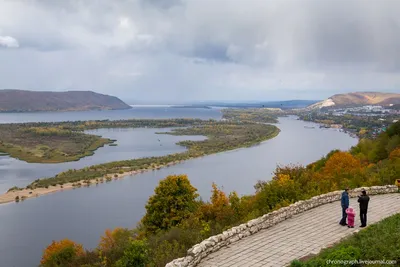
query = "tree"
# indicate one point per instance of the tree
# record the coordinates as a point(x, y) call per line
point(136, 255)
point(342, 163)
point(174, 200)
point(60, 253)
point(115, 239)
point(219, 210)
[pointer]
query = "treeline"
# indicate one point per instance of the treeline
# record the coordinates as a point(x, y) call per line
point(260, 115)
point(97, 124)
point(176, 218)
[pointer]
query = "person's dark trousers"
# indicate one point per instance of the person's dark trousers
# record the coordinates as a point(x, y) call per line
point(363, 217)
point(344, 216)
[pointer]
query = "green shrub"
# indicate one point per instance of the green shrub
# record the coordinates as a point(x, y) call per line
point(136, 255)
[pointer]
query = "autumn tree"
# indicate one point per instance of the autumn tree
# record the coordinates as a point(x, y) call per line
point(342, 163)
point(113, 243)
point(343, 169)
point(59, 253)
point(118, 237)
point(219, 209)
point(174, 200)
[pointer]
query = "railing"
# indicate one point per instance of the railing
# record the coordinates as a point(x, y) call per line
point(214, 243)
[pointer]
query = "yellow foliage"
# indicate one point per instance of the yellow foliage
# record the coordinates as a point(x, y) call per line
point(218, 197)
point(342, 163)
point(362, 131)
point(284, 179)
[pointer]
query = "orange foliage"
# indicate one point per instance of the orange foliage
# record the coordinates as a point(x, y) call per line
point(219, 208)
point(342, 163)
point(57, 247)
point(218, 197)
point(395, 153)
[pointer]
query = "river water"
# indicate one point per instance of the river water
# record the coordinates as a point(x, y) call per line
point(82, 215)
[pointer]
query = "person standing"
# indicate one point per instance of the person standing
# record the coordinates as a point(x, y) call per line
point(363, 200)
point(345, 204)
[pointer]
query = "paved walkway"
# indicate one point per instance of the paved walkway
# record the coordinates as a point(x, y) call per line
point(299, 236)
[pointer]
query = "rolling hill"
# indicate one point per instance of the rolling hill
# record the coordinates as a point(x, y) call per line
point(28, 101)
point(358, 99)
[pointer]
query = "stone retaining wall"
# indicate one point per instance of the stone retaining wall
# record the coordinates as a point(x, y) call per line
point(214, 243)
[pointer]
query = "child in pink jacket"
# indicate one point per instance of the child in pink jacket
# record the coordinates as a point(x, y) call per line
point(351, 214)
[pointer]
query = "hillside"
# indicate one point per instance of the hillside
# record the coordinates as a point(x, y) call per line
point(26, 101)
point(358, 99)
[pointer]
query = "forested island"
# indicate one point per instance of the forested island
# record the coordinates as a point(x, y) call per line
point(37, 143)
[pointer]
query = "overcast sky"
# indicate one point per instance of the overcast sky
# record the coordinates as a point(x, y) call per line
point(169, 51)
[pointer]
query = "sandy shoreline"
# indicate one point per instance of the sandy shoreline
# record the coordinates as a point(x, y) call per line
point(37, 192)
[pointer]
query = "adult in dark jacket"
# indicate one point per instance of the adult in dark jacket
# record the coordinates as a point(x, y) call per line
point(345, 204)
point(363, 200)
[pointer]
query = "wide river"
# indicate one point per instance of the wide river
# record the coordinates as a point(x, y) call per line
point(82, 215)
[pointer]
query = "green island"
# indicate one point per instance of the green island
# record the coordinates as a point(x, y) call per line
point(378, 242)
point(176, 218)
point(41, 144)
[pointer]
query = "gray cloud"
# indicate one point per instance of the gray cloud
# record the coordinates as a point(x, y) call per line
point(202, 49)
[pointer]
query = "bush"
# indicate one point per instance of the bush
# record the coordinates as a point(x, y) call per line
point(61, 253)
point(136, 255)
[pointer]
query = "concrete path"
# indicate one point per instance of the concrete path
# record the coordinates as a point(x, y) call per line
point(299, 236)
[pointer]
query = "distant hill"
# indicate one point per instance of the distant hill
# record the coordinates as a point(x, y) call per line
point(358, 99)
point(28, 101)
